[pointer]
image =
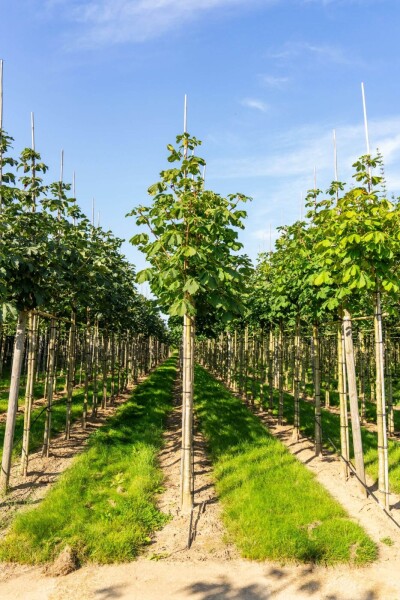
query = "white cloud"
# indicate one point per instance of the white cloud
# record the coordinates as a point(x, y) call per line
point(254, 103)
point(274, 82)
point(292, 51)
point(296, 152)
point(105, 22)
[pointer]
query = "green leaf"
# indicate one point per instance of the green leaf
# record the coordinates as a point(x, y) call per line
point(144, 275)
point(191, 286)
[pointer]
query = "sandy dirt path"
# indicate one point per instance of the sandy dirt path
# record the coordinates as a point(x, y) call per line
point(211, 569)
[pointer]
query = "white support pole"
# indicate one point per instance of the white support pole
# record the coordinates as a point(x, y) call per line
point(1, 93)
point(62, 166)
point(335, 164)
point(33, 130)
point(365, 118)
point(185, 115)
point(1, 135)
point(366, 128)
point(74, 191)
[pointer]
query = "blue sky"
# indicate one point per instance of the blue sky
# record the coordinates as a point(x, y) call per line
point(267, 82)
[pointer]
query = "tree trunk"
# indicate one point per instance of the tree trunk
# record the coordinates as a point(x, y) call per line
point(33, 319)
point(87, 371)
point(344, 427)
point(296, 424)
point(271, 370)
point(383, 464)
point(50, 387)
point(317, 391)
point(280, 379)
point(187, 415)
point(70, 372)
point(18, 357)
point(352, 386)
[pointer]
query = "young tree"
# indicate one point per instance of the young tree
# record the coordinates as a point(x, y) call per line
point(192, 254)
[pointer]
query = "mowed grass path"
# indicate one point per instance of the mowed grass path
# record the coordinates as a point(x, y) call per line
point(104, 505)
point(273, 507)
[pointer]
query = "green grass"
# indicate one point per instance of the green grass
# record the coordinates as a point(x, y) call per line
point(273, 507)
point(103, 506)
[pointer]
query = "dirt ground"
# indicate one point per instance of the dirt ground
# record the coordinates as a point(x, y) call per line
point(211, 568)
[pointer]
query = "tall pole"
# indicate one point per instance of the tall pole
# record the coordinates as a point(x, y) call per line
point(74, 191)
point(365, 118)
point(185, 115)
point(33, 130)
point(61, 181)
point(366, 130)
point(1, 94)
point(33, 161)
point(1, 134)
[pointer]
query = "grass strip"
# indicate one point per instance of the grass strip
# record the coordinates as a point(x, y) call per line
point(103, 505)
point(273, 508)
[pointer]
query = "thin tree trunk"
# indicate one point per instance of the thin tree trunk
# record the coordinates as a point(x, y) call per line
point(280, 379)
point(70, 373)
point(296, 424)
point(187, 415)
point(344, 438)
point(18, 356)
point(383, 463)
point(87, 371)
point(33, 319)
point(317, 391)
point(95, 398)
point(352, 386)
point(271, 370)
point(50, 387)
point(105, 370)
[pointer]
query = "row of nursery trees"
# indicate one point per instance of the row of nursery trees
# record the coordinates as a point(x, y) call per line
point(329, 274)
point(68, 297)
